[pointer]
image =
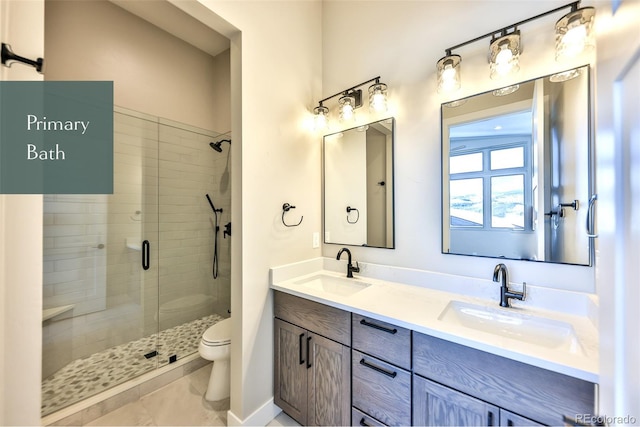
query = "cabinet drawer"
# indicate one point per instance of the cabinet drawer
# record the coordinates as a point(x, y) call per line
point(324, 320)
point(380, 389)
point(382, 340)
point(535, 393)
point(359, 418)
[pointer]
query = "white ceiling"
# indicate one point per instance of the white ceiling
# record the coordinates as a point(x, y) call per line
point(506, 124)
point(166, 16)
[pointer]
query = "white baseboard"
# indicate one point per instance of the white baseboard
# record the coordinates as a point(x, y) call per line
point(260, 417)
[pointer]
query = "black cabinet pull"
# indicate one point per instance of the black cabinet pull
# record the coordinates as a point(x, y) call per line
point(300, 348)
point(378, 369)
point(363, 423)
point(308, 354)
point(381, 328)
point(145, 255)
point(490, 418)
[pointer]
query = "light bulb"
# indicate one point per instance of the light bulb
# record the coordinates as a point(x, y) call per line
point(379, 102)
point(574, 40)
point(504, 55)
point(503, 60)
point(347, 111)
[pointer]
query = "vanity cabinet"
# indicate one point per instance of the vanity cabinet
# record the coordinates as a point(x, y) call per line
point(381, 377)
point(312, 361)
point(333, 367)
point(522, 393)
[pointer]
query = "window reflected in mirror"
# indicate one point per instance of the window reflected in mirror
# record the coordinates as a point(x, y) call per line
point(512, 165)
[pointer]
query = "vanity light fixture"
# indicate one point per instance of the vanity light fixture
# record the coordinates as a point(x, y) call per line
point(573, 35)
point(449, 72)
point(378, 97)
point(574, 32)
point(348, 103)
point(504, 54)
point(320, 117)
point(350, 100)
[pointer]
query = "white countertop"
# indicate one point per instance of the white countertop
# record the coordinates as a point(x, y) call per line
point(419, 308)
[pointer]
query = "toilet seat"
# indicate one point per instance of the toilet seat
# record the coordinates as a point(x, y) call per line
point(218, 334)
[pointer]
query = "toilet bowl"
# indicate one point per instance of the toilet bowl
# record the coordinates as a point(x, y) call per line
point(214, 346)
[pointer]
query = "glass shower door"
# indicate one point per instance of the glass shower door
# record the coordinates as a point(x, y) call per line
point(100, 302)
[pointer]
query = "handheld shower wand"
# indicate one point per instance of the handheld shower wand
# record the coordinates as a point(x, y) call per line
point(215, 237)
point(211, 204)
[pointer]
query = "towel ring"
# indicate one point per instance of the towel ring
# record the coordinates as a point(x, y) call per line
point(349, 210)
point(286, 208)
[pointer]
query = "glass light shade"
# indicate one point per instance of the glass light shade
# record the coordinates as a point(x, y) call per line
point(564, 75)
point(574, 33)
point(504, 55)
point(320, 118)
point(347, 108)
point(506, 90)
point(456, 103)
point(449, 73)
point(378, 97)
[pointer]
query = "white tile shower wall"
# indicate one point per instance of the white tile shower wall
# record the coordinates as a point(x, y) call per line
point(74, 266)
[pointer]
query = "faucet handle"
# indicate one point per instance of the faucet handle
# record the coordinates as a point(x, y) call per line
point(356, 269)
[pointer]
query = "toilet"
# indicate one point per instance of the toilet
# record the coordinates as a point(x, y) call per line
point(214, 346)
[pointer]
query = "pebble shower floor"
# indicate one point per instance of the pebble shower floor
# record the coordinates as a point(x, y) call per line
point(93, 374)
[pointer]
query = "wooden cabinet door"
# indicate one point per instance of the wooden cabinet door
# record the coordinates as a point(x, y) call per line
point(290, 370)
point(436, 405)
point(329, 382)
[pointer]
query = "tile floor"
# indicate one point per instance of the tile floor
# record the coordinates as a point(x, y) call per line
point(180, 403)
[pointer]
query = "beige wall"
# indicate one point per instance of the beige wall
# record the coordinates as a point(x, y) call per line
point(276, 51)
point(92, 40)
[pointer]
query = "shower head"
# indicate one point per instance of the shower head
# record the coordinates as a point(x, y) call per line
point(218, 145)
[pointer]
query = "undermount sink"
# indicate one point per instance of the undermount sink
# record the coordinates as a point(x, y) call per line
point(504, 322)
point(334, 285)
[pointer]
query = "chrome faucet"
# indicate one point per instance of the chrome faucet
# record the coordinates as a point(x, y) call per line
point(500, 274)
point(350, 268)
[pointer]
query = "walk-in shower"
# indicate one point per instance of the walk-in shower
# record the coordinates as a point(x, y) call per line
point(106, 318)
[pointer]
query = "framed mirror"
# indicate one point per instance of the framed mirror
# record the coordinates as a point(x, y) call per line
point(517, 171)
point(358, 186)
